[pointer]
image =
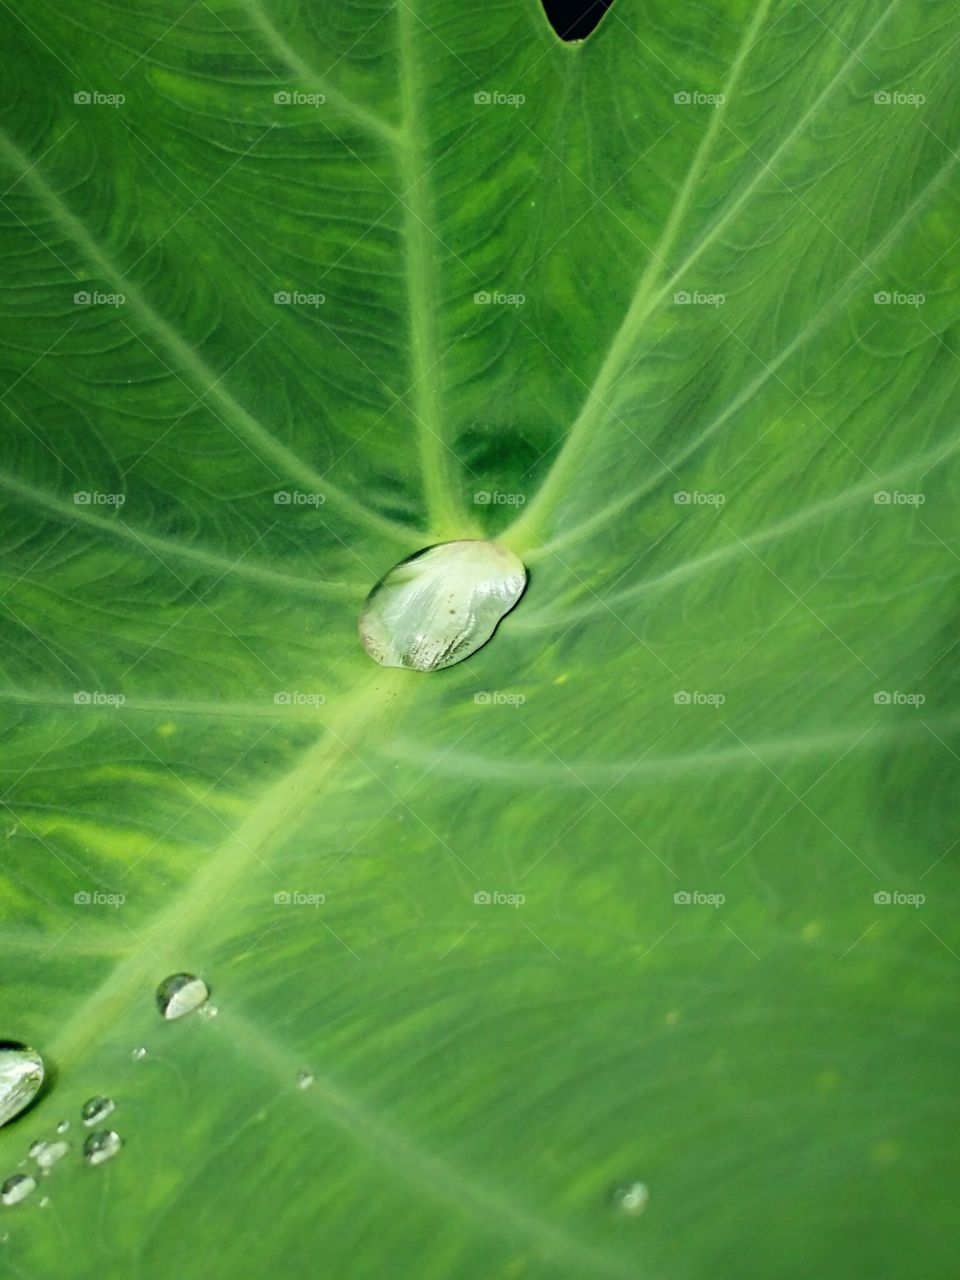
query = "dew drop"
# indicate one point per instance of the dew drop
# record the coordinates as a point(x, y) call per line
point(101, 1146)
point(44, 1203)
point(441, 605)
point(631, 1198)
point(180, 994)
point(304, 1079)
point(17, 1188)
point(208, 1012)
point(96, 1109)
point(47, 1154)
point(138, 1054)
point(63, 1126)
point(21, 1075)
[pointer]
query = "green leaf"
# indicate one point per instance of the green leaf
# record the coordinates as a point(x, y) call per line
point(679, 774)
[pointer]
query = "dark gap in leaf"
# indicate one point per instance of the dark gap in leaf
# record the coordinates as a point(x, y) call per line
point(575, 19)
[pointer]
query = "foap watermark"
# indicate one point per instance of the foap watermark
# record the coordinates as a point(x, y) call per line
point(94, 98)
point(84, 298)
point(494, 498)
point(294, 498)
point(694, 98)
point(695, 698)
point(694, 498)
point(894, 698)
point(297, 898)
point(896, 298)
point(296, 298)
point(297, 98)
point(296, 699)
point(894, 498)
point(494, 898)
point(694, 898)
point(486, 298)
point(894, 898)
point(697, 298)
point(893, 98)
point(494, 98)
point(97, 698)
point(94, 898)
point(496, 698)
point(93, 498)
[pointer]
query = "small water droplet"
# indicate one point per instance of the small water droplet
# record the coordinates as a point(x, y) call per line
point(47, 1154)
point(436, 608)
point(208, 1011)
point(304, 1079)
point(631, 1198)
point(63, 1126)
point(101, 1146)
point(96, 1109)
point(138, 1054)
point(21, 1075)
point(17, 1188)
point(180, 994)
point(44, 1203)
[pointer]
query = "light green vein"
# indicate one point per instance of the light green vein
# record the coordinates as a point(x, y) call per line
point(444, 513)
point(315, 82)
point(116, 528)
point(624, 343)
point(496, 1209)
point(268, 710)
point(865, 266)
point(197, 372)
point(186, 913)
point(523, 534)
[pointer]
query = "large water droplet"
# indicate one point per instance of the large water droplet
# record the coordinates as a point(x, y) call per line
point(17, 1188)
point(96, 1109)
point(180, 994)
point(631, 1198)
point(441, 605)
point(47, 1154)
point(21, 1075)
point(101, 1146)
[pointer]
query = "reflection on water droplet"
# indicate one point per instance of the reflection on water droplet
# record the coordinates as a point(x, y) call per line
point(17, 1188)
point(631, 1198)
point(138, 1054)
point(304, 1079)
point(96, 1109)
point(21, 1075)
point(47, 1154)
point(441, 605)
point(101, 1146)
point(180, 994)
